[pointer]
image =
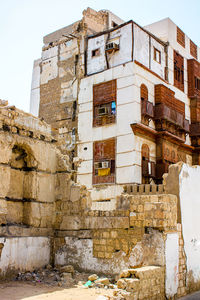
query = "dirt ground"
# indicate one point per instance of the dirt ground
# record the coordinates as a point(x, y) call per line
point(39, 291)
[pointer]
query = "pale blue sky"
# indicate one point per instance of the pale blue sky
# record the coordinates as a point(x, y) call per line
point(23, 23)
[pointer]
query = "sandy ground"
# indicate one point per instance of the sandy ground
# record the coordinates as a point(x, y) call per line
point(27, 291)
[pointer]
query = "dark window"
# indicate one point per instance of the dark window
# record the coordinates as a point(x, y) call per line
point(157, 55)
point(197, 83)
point(95, 52)
point(114, 24)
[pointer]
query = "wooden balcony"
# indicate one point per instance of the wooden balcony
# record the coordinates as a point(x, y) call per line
point(147, 109)
point(195, 129)
point(163, 112)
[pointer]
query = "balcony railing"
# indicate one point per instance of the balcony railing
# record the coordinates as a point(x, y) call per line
point(147, 109)
point(162, 111)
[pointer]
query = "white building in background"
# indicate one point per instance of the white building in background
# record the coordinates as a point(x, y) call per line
point(137, 100)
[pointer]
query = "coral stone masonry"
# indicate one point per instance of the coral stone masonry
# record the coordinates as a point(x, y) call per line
point(102, 175)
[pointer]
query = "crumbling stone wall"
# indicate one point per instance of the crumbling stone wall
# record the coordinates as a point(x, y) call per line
point(43, 211)
point(31, 170)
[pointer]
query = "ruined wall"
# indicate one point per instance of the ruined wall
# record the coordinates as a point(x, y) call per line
point(31, 171)
point(108, 241)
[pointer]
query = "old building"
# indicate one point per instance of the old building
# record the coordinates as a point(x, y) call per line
point(123, 98)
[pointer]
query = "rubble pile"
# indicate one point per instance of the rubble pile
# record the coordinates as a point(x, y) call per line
point(54, 276)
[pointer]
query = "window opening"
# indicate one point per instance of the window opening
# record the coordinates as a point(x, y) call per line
point(96, 52)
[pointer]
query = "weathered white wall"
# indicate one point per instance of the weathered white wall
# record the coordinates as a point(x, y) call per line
point(172, 264)
point(122, 36)
point(35, 89)
point(189, 179)
point(141, 46)
point(128, 112)
point(24, 253)
point(79, 252)
point(128, 147)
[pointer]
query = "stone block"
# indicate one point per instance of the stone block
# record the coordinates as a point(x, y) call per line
point(15, 212)
point(30, 185)
point(132, 284)
point(45, 155)
point(93, 277)
point(75, 193)
point(16, 184)
point(5, 149)
point(121, 284)
point(125, 274)
point(106, 222)
point(62, 191)
point(5, 181)
point(38, 214)
point(45, 187)
point(71, 223)
point(3, 211)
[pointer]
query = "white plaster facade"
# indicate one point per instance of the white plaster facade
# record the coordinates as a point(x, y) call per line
point(190, 205)
point(136, 45)
point(131, 66)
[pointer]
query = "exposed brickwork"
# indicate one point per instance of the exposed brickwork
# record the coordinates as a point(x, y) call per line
point(107, 242)
point(182, 264)
point(153, 211)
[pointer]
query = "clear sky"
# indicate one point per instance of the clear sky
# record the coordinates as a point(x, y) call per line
point(23, 23)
